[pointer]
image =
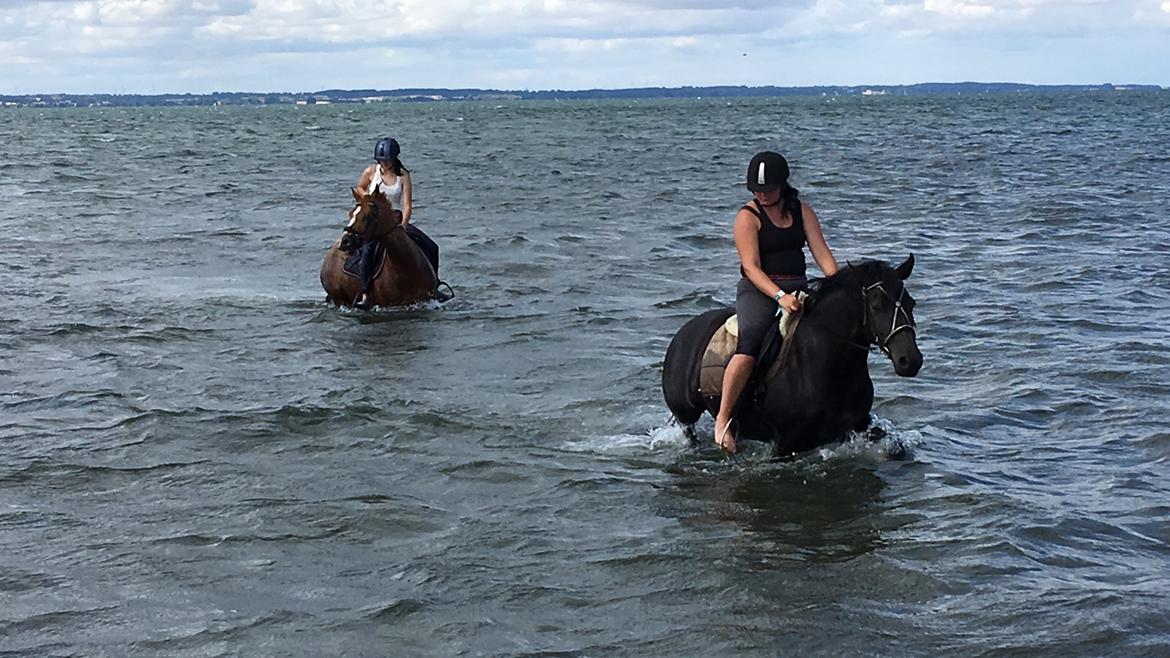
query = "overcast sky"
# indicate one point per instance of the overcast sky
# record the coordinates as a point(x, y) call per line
point(168, 46)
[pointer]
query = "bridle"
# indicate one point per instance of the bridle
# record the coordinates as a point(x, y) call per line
point(875, 339)
point(899, 310)
point(371, 216)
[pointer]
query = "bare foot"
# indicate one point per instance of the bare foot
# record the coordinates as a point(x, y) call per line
point(723, 436)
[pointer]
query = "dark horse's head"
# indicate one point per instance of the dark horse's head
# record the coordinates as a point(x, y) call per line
point(887, 310)
point(373, 216)
point(889, 314)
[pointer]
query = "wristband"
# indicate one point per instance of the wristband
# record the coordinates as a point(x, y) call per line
point(779, 294)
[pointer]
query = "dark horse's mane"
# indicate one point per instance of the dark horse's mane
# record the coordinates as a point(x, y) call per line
point(852, 275)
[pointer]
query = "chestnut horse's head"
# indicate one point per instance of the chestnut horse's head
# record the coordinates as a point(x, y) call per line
point(373, 216)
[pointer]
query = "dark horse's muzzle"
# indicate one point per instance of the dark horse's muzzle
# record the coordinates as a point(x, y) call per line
point(904, 354)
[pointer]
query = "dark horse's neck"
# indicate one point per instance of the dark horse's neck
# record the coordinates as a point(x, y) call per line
point(836, 313)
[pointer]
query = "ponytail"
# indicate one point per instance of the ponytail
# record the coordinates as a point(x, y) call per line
point(790, 203)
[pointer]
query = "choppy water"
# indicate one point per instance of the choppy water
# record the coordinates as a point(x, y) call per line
point(198, 457)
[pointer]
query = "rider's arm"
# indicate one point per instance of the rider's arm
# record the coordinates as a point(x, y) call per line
point(747, 243)
point(816, 242)
point(367, 176)
point(406, 197)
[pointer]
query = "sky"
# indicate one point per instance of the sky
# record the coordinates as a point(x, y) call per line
point(203, 46)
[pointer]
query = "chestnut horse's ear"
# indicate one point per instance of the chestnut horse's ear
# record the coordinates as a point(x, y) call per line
point(905, 268)
point(358, 193)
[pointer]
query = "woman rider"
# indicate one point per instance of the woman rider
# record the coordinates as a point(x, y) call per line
point(393, 179)
point(770, 234)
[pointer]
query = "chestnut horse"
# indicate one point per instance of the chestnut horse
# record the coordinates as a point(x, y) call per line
point(405, 275)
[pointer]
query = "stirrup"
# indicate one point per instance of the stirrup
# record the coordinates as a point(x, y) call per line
point(444, 296)
point(362, 303)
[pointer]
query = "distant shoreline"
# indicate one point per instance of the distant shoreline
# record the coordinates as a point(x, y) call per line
point(363, 96)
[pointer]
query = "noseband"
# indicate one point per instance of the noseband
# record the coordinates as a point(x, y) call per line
point(907, 325)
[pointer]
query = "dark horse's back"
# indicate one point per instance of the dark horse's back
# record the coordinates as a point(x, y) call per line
point(684, 357)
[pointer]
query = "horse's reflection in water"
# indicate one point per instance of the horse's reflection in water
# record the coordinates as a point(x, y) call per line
point(786, 550)
point(799, 520)
point(805, 510)
point(403, 275)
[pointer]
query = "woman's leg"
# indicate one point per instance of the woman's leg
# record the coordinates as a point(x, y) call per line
point(371, 258)
point(754, 311)
point(428, 246)
point(735, 377)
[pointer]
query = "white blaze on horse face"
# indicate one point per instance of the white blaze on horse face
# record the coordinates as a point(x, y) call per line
point(353, 216)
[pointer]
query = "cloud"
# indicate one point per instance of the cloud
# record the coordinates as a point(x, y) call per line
point(1154, 13)
point(973, 18)
point(244, 43)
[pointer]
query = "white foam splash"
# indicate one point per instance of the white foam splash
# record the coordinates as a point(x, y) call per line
point(858, 445)
point(666, 439)
point(377, 311)
point(671, 439)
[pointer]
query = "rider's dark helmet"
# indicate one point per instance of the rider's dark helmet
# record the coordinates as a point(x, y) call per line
point(767, 171)
point(386, 150)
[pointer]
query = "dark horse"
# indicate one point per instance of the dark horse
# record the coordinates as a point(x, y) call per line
point(821, 389)
point(405, 275)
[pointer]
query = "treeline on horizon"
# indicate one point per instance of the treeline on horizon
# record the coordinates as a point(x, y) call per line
point(448, 94)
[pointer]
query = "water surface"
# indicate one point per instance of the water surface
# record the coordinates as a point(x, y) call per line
point(197, 456)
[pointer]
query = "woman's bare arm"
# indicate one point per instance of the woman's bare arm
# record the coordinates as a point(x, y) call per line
point(407, 199)
point(816, 242)
point(366, 177)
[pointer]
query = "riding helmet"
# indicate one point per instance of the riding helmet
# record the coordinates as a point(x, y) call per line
point(386, 149)
point(767, 171)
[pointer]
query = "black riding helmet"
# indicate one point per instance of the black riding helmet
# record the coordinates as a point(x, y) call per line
point(767, 171)
point(386, 150)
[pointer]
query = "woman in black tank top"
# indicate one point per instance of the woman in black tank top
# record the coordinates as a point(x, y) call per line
point(770, 234)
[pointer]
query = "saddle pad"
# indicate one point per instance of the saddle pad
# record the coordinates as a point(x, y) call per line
point(719, 351)
point(353, 260)
point(722, 345)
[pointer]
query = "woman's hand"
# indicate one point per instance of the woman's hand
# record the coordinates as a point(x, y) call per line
point(790, 302)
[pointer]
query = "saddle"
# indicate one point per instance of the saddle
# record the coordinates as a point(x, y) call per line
point(722, 346)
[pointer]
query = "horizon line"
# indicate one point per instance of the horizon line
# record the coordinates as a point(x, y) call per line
point(600, 89)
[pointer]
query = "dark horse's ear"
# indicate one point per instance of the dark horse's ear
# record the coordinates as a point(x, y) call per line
point(358, 193)
point(905, 268)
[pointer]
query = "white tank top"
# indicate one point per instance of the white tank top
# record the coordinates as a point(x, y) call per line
point(392, 192)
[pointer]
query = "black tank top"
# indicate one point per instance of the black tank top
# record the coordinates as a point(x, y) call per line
point(781, 249)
